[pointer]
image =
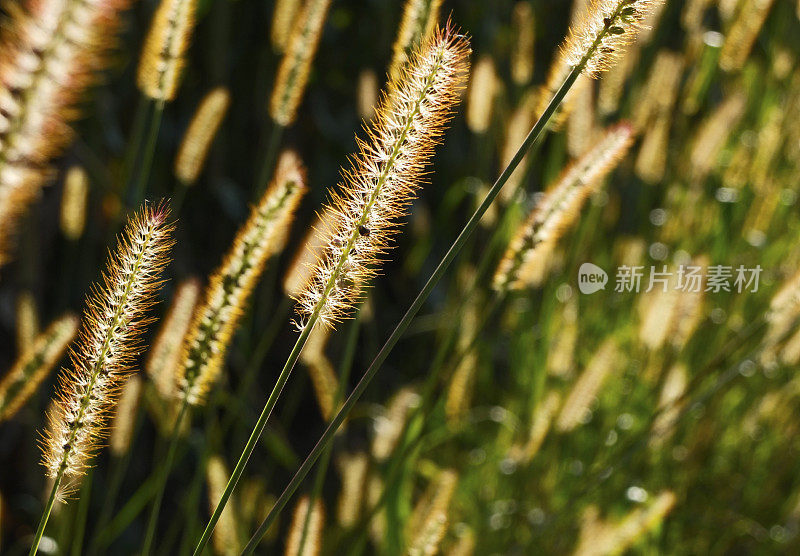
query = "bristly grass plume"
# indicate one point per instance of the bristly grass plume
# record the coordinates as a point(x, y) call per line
point(50, 53)
point(558, 209)
point(229, 288)
point(385, 175)
point(34, 365)
point(114, 320)
point(164, 53)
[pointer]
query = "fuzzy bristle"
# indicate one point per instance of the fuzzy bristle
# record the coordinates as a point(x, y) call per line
point(229, 287)
point(198, 138)
point(599, 39)
point(558, 210)
point(114, 320)
point(125, 418)
point(35, 364)
point(51, 53)
point(384, 177)
point(164, 52)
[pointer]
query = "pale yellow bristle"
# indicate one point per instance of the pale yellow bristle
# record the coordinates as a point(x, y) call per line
point(353, 469)
point(164, 53)
point(541, 421)
point(293, 72)
point(389, 425)
point(225, 539)
point(33, 366)
point(460, 389)
point(582, 123)
point(517, 128)
point(577, 405)
point(164, 356)
point(561, 355)
point(599, 538)
point(283, 16)
point(669, 405)
point(416, 26)
point(27, 321)
point(742, 36)
point(125, 418)
point(313, 535)
point(367, 94)
point(714, 133)
point(524, 39)
point(532, 245)
point(200, 135)
point(658, 96)
point(73, 203)
point(301, 269)
point(428, 522)
point(483, 87)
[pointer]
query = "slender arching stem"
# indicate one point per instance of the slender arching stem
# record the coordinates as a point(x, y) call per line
point(46, 514)
point(162, 480)
point(451, 254)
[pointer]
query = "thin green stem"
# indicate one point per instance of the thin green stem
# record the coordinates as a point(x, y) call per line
point(138, 185)
point(451, 254)
point(46, 514)
point(162, 481)
point(258, 429)
point(274, 142)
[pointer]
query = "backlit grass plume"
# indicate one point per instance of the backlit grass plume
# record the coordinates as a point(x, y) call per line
point(202, 130)
point(33, 366)
point(292, 77)
point(109, 342)
point(50, 52)
point(385, 175)
point(164, 52)
point(229, 288)
point(416, 27)
point(604, 31)
point(559, 209)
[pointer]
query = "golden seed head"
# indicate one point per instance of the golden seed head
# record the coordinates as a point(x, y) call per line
point(46, 67)
point(524, 39)
point(290, 83)
point(110, 340)
point(226, 537)
point(389, 425)
point(165, 354)
point(384, 177)
point(198, 138)
point(353, 469)
point(605, 360)
point(283, 16)
point(35, 364)
point(164, 52)
point(229, 287)
point(483, 87)
point(313, 536)
point(416, 27)
point(305, 258)
point(743, 34)
point(598, 40)
point(125, 416)
point(27, 314)
point(73, 203)
point(367, 95)
point(558, 209)
point(428, 522)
